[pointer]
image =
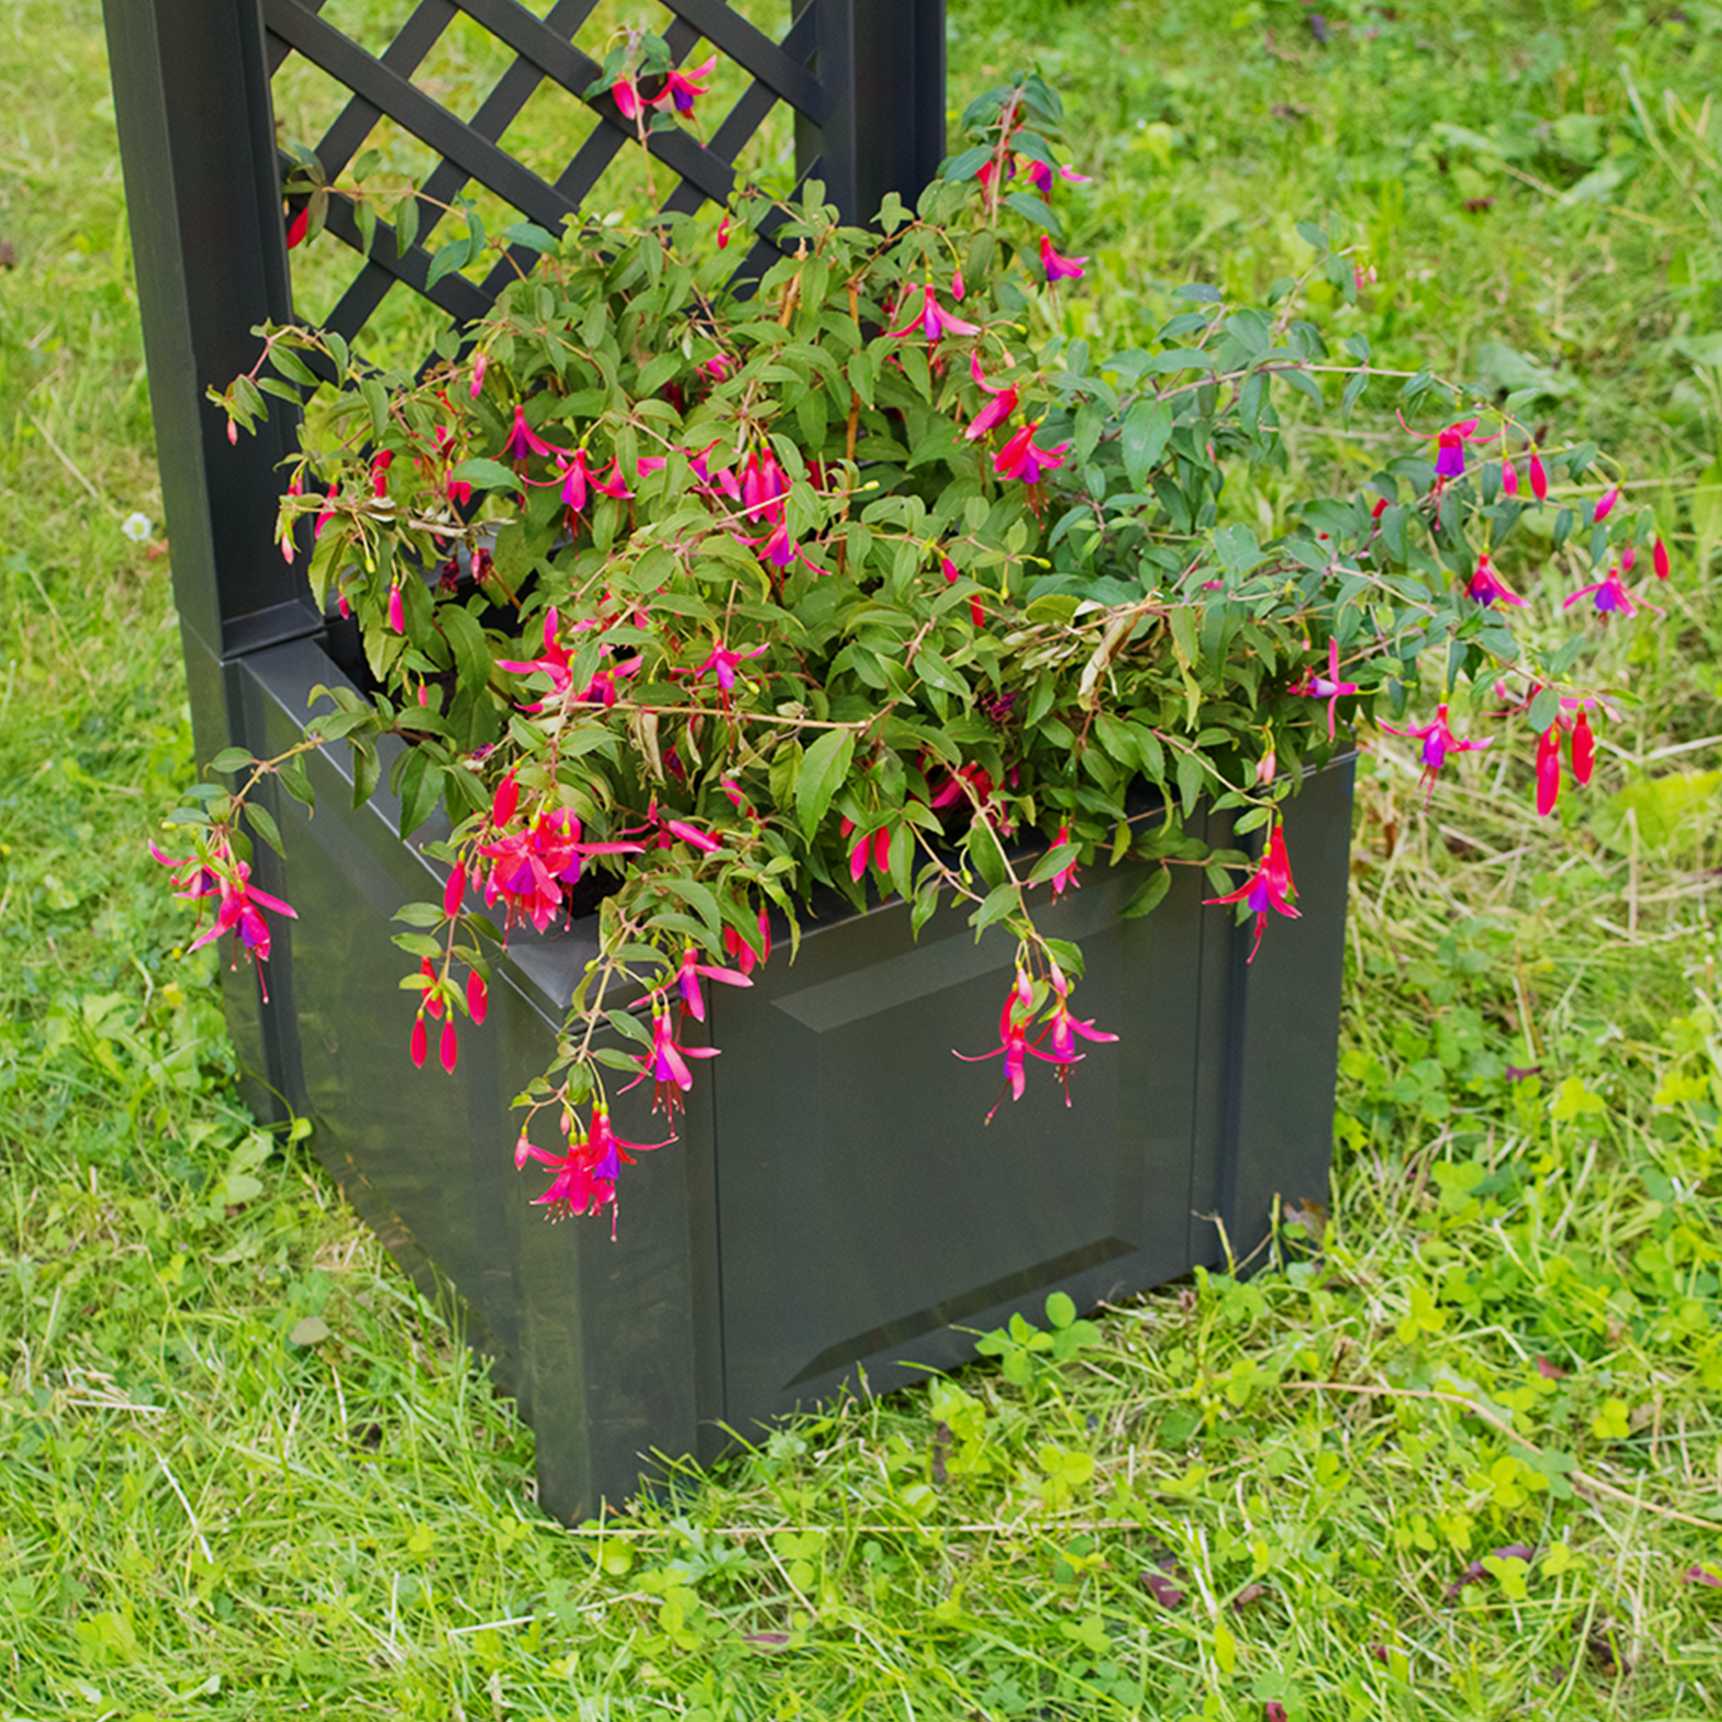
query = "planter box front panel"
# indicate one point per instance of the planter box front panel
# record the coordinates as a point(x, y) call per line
point(863, 1205)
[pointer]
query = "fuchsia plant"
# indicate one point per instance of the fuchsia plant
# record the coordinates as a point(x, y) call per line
point(690, 600)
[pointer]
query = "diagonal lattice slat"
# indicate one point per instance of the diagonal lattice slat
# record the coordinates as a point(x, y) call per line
point(470, 152)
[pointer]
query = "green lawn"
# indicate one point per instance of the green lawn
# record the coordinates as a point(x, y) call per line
point(1239, 1493)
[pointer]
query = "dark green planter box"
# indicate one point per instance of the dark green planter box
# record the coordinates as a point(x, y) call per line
point(835, 1205)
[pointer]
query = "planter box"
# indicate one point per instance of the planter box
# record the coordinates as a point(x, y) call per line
point(835, 1204)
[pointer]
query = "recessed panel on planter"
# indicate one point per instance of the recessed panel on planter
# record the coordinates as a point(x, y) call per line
point(864, 1204)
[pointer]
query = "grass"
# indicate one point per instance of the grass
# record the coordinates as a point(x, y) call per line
point(1234, 1493)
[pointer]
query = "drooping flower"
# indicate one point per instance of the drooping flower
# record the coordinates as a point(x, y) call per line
point(1328, 687)
point(1041, 176)
point(240, 905)
point(1583, 748)
point(682, 89)
point(1013, 1047)
point(397, 611)
point(688, 981)
point(1509, 478)
point(745, 952)
point(665, 1064)
point(721, 662)
point(1486, 587)
point(1057, 267)
point(1450, 448)
point(1005, 398)
point(523, 441)
point(1269, 887)
point(1020, 458)
point(1438, 741)
point(930, 317)
point(1539, 478)
point(1659, 559)
point(448, 1047)
point(1609, 595)
point(1065, 878)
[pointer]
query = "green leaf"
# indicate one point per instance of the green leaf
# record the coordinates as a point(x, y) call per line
point(232, 759)
point(262, 821)
point(823, 768)
point(483, 474)
point(1545, 708)
point(1147, 427)
point(466, 640)
point(1001, 901)
point(1025, 203)
point(448, 258)
point(1060, 1309)
point(1150, 895)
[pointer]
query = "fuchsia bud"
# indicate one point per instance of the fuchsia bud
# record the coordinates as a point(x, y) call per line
point(1539, 478)
point(1548, 769)
point(1509, 478)
point(1605, 503)
point(448, 1047)
point(1583, 749)
point(397, 610)
point(957, 284)
point(479, 366)
point(723, 232)
point(418, 1047)
point(233, 432)
point(507, 798)
point(1267, 767)
point(454, 890)
point(477, 997)
point(1659, 559)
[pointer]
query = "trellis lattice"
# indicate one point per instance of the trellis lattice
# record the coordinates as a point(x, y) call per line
point(470, 152)
point(194, 82)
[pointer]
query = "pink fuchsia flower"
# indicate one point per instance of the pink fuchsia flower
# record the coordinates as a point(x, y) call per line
point(381, 461)
point(240, 907)
point(682, 89)
point(718, 367)
point(1438, 741)
point(504, 801)
point(1057, 267)
point(692, 835)
point(1328, 687)
point(523, 441)
point(1485, 586)
point(723, 663)
point(688, 981)
point(1020, 458)
point(666, 1063)
point(930, 316)
point(1013, 1047)
point(1003, 403)
point(553, 663)
point(1065, 878)
point(1269, 887)
point(1450, 448)
point(530, 868)
point(1605, 503)
point(1041, 177)
point(1608, 594)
